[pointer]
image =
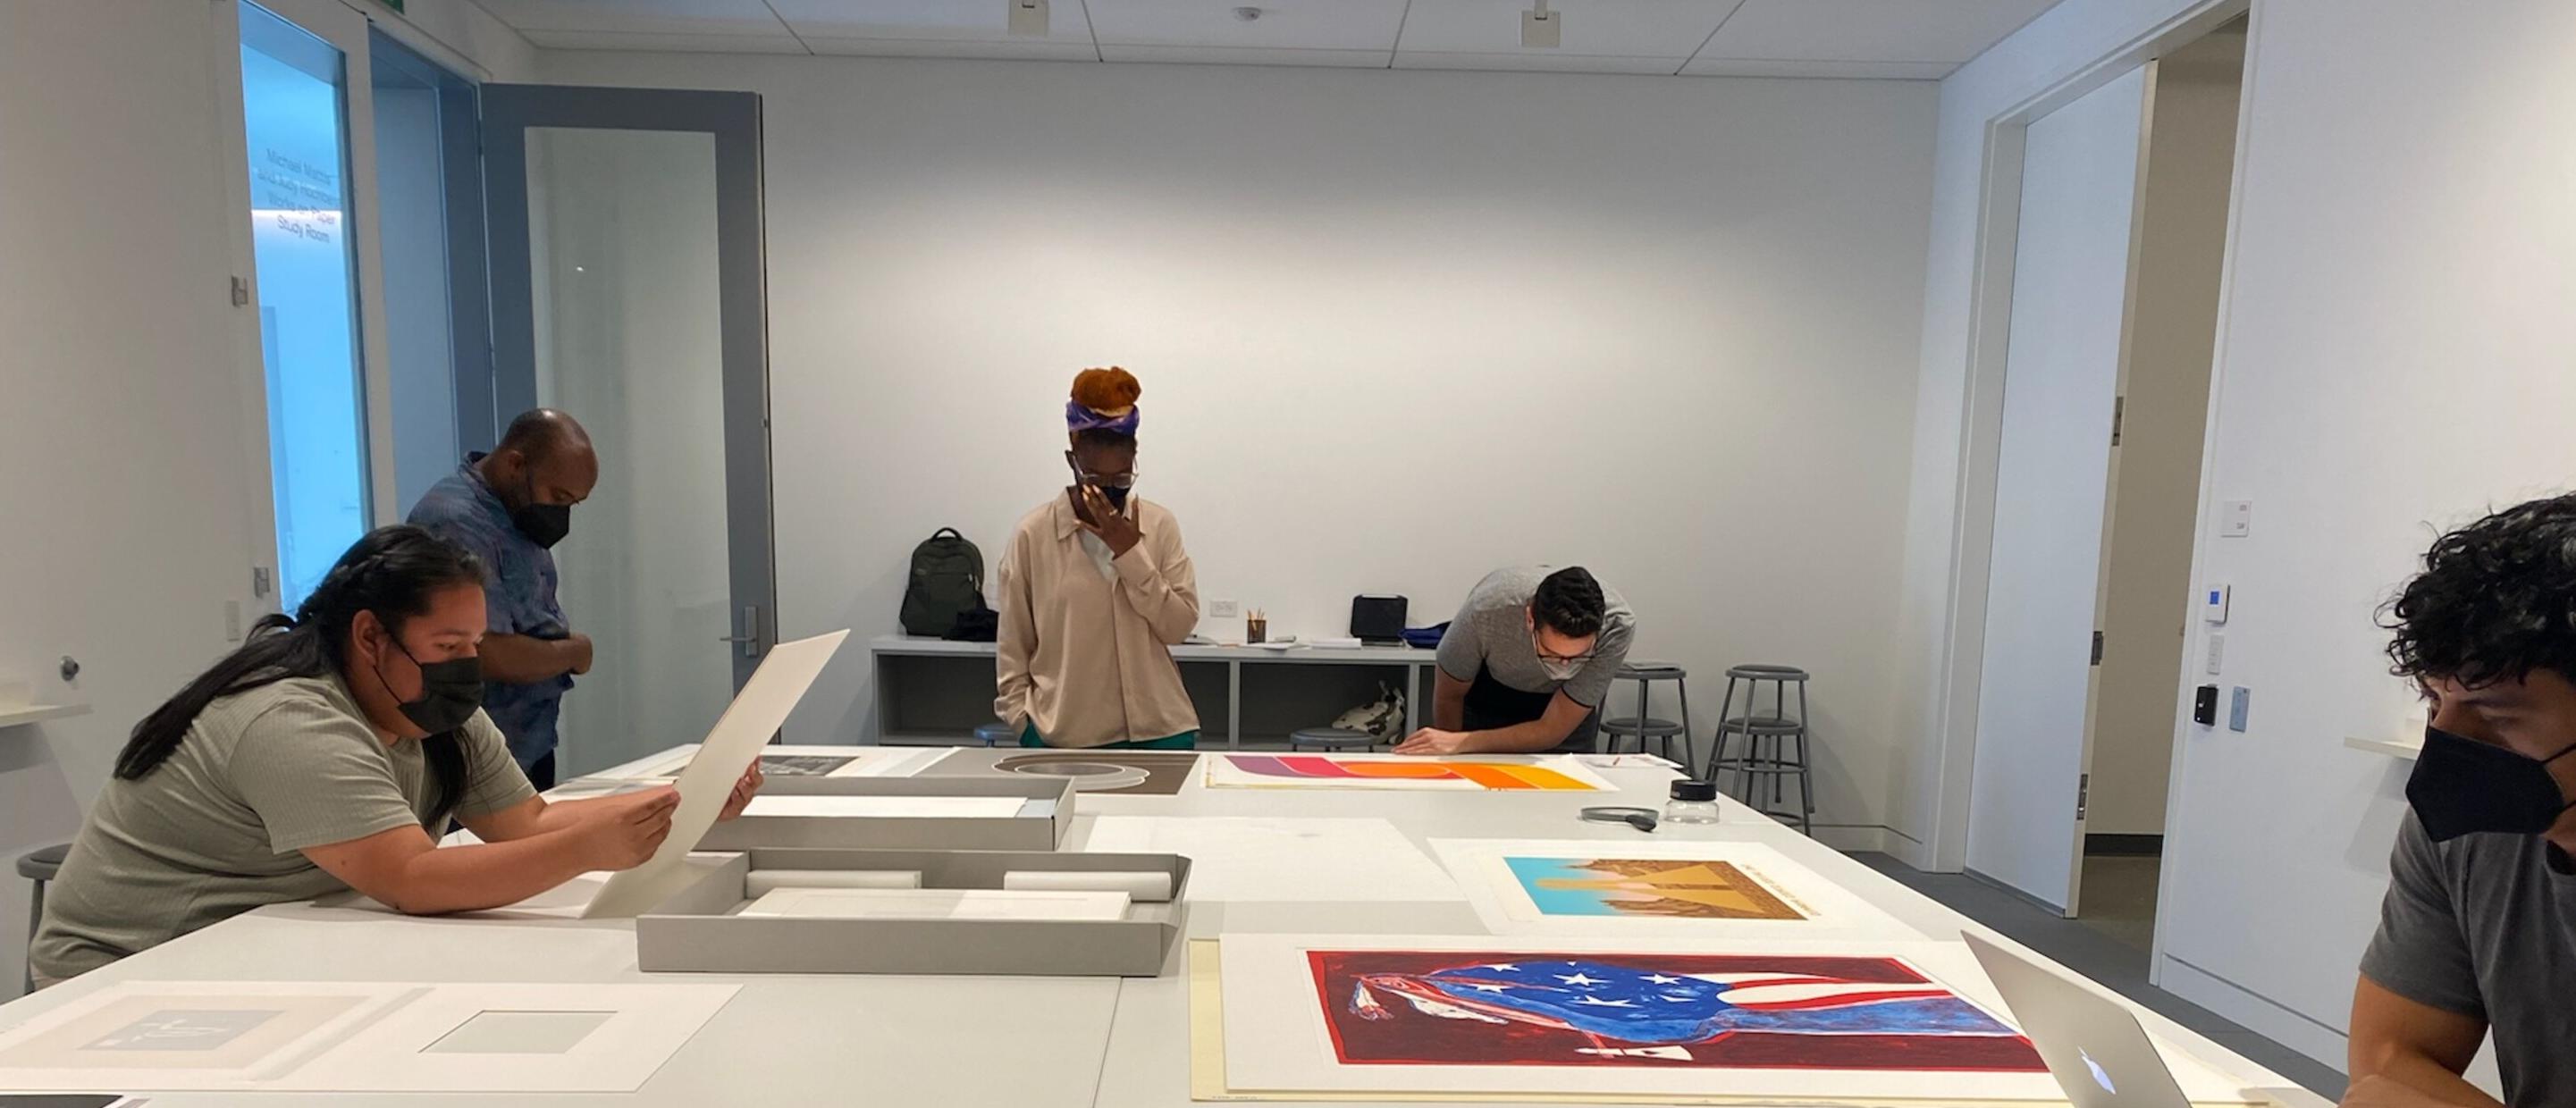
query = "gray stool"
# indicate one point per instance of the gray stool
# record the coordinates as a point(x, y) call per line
point(1775, 743)
point(1330, 738)
point(1643, 727)
point(38, 865)
point(997, 734)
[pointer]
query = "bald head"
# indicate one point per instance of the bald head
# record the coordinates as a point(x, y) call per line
point(544, 458)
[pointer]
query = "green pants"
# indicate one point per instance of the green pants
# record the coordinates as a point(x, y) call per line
point(1186, 740)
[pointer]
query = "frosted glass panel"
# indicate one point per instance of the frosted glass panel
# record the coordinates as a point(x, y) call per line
point(622, 238)
point(293, 109)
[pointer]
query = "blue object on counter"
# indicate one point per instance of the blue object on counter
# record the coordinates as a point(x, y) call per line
point(1425, 638)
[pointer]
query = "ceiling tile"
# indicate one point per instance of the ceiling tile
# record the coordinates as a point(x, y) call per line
point(1607, 28)
point(929, 21)
point(1023, 49)
point(1868, 30)
point(1534, 61)
point(619, 40)
point(671, 17)
point(1758, 67)
point(1284, 24)
point(1244, 55)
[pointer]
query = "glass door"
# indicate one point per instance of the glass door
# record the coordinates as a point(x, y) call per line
point(627, 291)
point(297, 90)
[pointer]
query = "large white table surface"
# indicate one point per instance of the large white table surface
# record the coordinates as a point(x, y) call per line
point(962, 1041)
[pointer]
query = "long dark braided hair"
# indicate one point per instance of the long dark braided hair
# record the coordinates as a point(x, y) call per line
point(391, 571)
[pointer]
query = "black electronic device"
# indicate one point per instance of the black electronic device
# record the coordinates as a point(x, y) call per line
point(1378, 620)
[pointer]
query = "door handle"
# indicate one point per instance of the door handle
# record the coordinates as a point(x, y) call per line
point(750, 638)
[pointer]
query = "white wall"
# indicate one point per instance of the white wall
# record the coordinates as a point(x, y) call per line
point(2191, 158)
point(124, 468)
point(1395, 330)
point(411, 216)
point(2394, 350)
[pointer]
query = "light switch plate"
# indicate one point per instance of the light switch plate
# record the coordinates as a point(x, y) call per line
point(2236, 519)
point(2217, 651)
point(1224, 609)
point(2237, 704)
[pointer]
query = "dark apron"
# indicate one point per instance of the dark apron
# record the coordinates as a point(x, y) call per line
point(1492, 704)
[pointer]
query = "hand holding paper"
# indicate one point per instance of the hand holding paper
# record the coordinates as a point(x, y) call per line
point(744, 789)
point(622, 832)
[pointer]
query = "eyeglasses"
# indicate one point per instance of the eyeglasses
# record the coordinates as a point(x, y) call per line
point(1582, 659)
point(1125, 480)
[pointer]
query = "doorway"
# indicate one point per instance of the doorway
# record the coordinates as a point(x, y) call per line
point(627, 290)
point(2117, 255)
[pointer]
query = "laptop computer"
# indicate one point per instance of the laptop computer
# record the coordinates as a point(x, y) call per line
point(2094, 1047)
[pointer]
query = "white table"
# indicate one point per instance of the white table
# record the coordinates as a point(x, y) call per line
point(936, 691)
point(958, 1042)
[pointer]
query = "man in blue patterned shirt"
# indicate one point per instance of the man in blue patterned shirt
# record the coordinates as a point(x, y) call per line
point(509, 507)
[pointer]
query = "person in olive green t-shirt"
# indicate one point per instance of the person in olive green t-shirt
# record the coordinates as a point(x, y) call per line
point(328, 752)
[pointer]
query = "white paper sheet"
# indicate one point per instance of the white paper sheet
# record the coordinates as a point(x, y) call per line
point(888, 807)
point(939, 904)
point(1501, 894)
point(1471, 773)
point(1275, 859)
point(864, 761)
point(1265, 976)
point(346, 1037)
point(737, 738)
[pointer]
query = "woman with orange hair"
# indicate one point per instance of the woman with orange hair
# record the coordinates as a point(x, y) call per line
point(1096, 589)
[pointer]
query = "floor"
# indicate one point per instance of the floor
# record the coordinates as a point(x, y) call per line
point(2110, 945)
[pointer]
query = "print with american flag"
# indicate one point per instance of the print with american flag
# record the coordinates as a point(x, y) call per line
point(1718, 1011)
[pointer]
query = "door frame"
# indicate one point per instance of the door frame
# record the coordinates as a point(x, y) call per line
point(1960, 675)
point(734, 119)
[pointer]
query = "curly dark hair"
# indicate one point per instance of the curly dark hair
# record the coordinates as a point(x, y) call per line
point(2496, 600)
point(1569, 602)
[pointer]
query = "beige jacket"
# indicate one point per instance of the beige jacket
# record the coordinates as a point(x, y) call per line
point(1087, 657)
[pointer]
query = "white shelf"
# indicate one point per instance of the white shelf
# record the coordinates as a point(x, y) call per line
point(39, 713)
point(2407, 749)
point(908, 646)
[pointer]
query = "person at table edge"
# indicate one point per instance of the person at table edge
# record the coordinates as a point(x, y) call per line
point(328, 752)
point(510, 507)
point(1095, 590)
point(1526, 664)
point(2477, 934)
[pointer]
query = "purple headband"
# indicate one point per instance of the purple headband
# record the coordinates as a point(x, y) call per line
point(1078, 419)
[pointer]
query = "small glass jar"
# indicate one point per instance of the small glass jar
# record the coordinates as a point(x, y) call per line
point(1692, 802)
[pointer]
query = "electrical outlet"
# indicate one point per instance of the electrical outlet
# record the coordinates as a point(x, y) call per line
point(1225, 609)
point(2236, 519)
point(232, 621)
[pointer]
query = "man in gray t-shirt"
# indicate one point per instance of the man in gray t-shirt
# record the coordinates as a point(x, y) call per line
point(1525, 664)
point(2478, 932)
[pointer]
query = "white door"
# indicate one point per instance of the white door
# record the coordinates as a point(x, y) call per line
point(2071, 269)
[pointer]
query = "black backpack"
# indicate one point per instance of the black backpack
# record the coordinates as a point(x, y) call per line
point(947, 580)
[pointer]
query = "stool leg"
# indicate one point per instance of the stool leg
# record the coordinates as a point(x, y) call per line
point(1806, 787)
point(1779, 707)
point(1690, 757)
point(35, 919)
point(1717, 749)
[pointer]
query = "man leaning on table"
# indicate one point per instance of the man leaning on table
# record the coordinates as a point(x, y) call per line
point(1525, 664)
point(2478, 932)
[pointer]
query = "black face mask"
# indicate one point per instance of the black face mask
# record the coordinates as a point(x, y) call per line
point(543, 524)
point(450, 691)
point(2464, 787)
point(1117, 496)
